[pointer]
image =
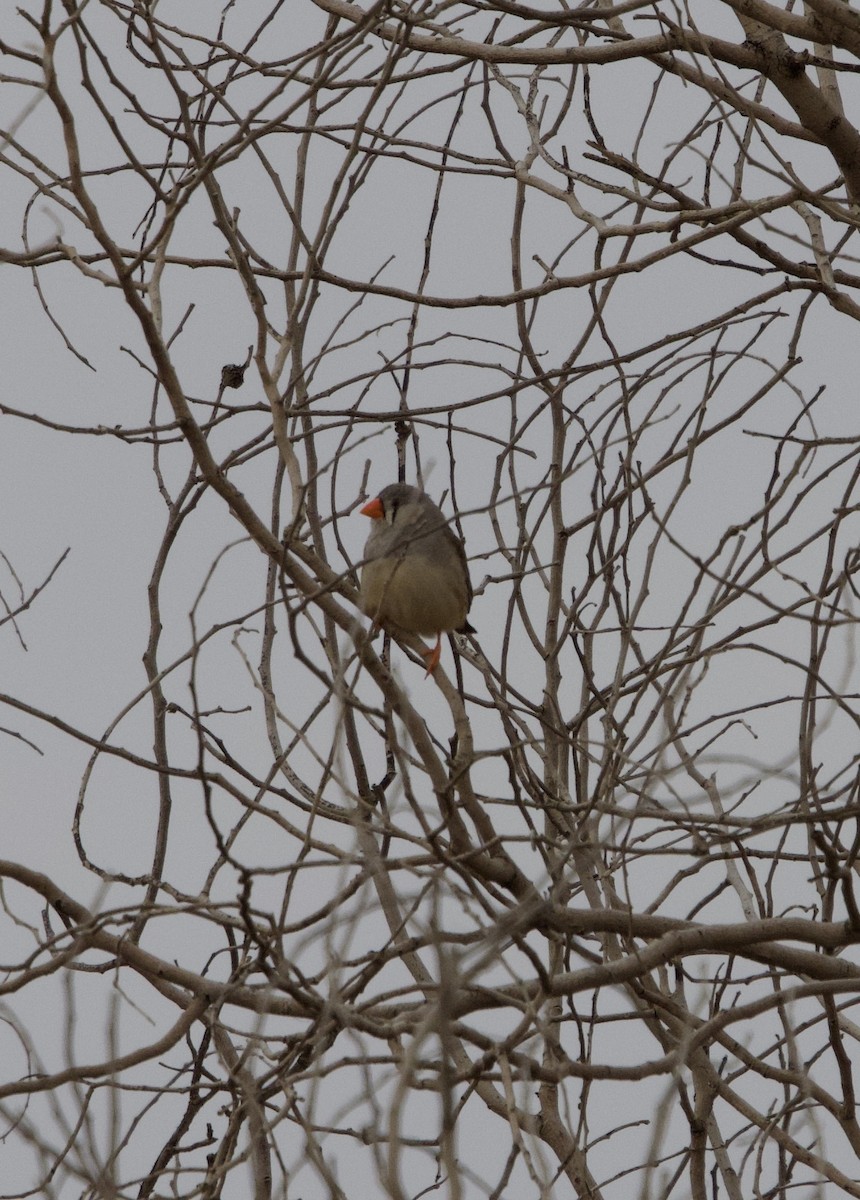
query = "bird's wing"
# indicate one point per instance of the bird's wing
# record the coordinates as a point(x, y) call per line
point(456, 543)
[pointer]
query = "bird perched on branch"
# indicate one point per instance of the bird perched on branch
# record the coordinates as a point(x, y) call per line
point(414, 574)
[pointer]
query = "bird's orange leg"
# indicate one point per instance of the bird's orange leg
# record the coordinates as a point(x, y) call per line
point(433, 655)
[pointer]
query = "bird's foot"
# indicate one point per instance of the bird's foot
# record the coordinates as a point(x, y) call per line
point(433, 656)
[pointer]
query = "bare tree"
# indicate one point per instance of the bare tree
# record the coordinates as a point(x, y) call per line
point(575, 916)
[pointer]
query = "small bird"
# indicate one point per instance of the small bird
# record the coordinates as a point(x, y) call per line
point(414, 574)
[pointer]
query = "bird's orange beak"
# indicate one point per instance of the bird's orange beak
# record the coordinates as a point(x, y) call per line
point(373, 509)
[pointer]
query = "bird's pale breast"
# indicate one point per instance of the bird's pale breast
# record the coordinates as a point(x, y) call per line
point(413, 594)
